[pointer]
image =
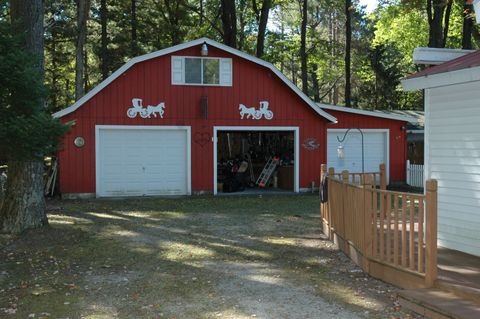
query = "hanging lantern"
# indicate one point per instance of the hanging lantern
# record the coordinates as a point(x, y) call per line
point(340, 152)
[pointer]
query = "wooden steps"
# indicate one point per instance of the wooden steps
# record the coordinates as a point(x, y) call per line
point(469, 291)
point(434, 303)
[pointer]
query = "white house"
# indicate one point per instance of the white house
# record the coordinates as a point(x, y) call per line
point(452, 146)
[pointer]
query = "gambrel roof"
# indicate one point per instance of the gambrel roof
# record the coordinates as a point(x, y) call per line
point(183, 46)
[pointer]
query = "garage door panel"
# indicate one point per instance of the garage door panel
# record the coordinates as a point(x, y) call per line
point(136, 162)
point(375, 151)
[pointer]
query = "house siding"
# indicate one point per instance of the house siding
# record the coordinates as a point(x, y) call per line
point(452, 153)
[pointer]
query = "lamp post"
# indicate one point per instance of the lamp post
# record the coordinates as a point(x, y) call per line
point(341, 152)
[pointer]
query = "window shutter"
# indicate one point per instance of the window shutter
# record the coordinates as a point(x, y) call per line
point(178, 70)
point(226, 72)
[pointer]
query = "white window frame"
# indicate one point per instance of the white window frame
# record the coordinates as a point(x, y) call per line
point(220, 60)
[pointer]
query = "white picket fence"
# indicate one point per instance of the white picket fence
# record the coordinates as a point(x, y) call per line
point(414, 174)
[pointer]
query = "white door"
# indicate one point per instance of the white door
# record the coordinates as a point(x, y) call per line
point(142, 161)
point(375, 150)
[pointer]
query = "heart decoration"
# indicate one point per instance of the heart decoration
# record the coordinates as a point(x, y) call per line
point(202, 138)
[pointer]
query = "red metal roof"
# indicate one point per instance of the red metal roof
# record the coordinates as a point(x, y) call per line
point(464, 62)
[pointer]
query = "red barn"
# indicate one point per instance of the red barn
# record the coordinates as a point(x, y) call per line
point(202, 117)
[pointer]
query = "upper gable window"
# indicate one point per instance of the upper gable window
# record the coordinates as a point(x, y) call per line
point(201, 71)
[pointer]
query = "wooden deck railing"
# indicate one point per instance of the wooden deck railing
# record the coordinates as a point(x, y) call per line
point(379, 179)
point(391, 235)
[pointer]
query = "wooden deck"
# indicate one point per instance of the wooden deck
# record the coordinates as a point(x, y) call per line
point(393, 237)
point(456, 293)
point(459, 273)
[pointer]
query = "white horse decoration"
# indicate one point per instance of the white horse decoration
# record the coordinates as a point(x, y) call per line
point(137, 108)
point(251, 112)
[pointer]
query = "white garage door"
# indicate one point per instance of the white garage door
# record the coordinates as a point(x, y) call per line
point(375, 150)
point(142, 161)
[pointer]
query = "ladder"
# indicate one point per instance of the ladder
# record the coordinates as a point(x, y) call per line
point(267, 171)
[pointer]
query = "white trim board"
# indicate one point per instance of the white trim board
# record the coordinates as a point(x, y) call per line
point(379, 114)
point(369, 130)
point(294, 129)
point(442, 79)
point(183, 46)
point(434, 56)
point(143, 127)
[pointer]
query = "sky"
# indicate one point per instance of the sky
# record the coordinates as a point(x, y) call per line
point(371, 4)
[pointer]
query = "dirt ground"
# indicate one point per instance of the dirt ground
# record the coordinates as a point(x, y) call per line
point(197, 257)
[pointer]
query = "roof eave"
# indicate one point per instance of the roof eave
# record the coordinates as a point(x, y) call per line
point(435, 56)
point(394, 117)
point(441, 79)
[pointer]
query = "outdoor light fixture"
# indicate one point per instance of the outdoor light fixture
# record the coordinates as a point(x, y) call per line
point(341, 151)
point(204, 49)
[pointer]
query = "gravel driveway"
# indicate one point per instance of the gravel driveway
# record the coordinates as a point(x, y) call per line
point(198, 257)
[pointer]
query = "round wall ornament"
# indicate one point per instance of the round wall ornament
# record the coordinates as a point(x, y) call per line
point(79, 141)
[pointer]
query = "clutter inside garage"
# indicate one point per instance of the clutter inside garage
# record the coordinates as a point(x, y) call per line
point(255, 160)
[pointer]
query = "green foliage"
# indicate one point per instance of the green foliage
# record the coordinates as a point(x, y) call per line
point(382, 43)
point(26, 130)
point(403, 27)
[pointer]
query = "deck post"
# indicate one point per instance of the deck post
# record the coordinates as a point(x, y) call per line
point(324, 206)
point(383, 177)
point(345, 176)
point(344, 233)
point(331, 172)
point(431, 233)
point(367, 217)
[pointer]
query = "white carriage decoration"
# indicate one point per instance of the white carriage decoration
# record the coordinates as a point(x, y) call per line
point(147, 112)
point(255, 114)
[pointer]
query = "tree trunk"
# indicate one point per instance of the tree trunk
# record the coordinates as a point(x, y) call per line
point(201, 13)
point(242, 24)
point(104, 64)
point(23, 205)
point(133, 26)
point(315, 84)
point(348, 42)
point(262, 27)
point(173, 19)
point(83, 8)
point(446, 25)
point(438, 13)
point(303, 47)
point(467, 26)
point(86, 80)
point(54, 71)
point(229, 22)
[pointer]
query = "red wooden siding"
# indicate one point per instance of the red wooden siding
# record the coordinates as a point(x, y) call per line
point(151, 81)
point(398, 137)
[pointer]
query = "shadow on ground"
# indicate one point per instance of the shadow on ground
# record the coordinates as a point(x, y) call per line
point(197, 257)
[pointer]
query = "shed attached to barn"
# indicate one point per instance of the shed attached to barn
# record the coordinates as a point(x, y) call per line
point(201, 117)
point(452, 147)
